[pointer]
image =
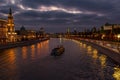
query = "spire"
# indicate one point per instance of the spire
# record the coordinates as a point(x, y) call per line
point(10, 11)
point(68, 29)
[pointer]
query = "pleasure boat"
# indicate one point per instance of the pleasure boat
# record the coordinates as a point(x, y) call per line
point(58, 51)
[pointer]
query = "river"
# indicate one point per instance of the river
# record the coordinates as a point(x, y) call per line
point(79, 62)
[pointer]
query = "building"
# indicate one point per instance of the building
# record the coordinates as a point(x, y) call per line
point(110, 31)
point(7, 29)
point(111, 28)
point(30, 34)
point(3, 31)
point(41, 33)
point(11, 28)
point(67, 35)
point(24, 34)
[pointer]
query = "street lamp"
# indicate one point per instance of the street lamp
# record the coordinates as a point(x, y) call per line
point(102, 37)
point(118, 36)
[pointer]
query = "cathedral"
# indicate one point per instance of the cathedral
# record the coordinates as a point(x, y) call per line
point(7, 29)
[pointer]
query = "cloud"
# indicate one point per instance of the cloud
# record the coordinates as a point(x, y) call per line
point(52, 13)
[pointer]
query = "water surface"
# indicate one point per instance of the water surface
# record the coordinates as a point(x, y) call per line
point(79, 62)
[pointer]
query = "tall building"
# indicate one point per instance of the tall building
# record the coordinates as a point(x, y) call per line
point(11, 29)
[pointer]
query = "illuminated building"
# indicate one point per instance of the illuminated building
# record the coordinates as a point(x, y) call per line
point(7, 30)
point(68, 33)
point(31, 34)
point(3, 31)
point(111, 28)
point(11, 29)
point(26, 34)
point(110, 31)
point(41, 33)
point(75, 31)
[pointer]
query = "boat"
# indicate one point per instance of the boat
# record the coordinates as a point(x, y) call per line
point(58, 51)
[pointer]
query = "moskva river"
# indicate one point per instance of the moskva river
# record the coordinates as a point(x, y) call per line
point(79, 62)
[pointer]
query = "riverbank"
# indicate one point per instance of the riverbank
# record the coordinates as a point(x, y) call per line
point(104, 50)
point(22, 43)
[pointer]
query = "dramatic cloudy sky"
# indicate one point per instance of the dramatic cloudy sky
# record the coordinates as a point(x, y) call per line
point(58, 15)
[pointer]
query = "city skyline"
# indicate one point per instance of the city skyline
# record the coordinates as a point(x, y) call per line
point(58, 15)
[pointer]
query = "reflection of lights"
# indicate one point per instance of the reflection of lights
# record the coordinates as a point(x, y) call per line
point(95, 51)
point(12, 56)
point(45, 44)
point(10, 62)
point(32, 51)
point(42, 47)
point(38, 46)
point(84, 45)
point(95, 54)
point(116, 74)
point(89, 49)
point(60, 40)
point(103, 60)
point(41, 44)
point(80, 44)
point(24, 52)
point(47, 41)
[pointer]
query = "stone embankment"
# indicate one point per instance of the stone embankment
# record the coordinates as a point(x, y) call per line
point(22, 43)
point(104, 50)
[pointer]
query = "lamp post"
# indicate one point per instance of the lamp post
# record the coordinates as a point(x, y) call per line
point(118, 37)
point(102, 37)
point(118, 47)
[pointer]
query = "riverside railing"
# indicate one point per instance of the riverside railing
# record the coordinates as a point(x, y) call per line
point(115, 46)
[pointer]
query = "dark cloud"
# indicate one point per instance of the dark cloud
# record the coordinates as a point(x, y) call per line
point(36, 3)
point(60, 14)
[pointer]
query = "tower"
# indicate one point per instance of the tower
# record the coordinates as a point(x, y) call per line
point(10, 22)
point(11, 28)
point(68, 32)
point(42, 32)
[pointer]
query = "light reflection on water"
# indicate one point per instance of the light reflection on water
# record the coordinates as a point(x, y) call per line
point(32, 51)
point(89, 49)
point(24, 52)
point(80, 61)
point(8, 65)
point(103, 61)
point(95, 54)
point(116, 74)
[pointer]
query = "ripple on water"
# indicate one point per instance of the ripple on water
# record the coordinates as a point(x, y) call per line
point(79, 62)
